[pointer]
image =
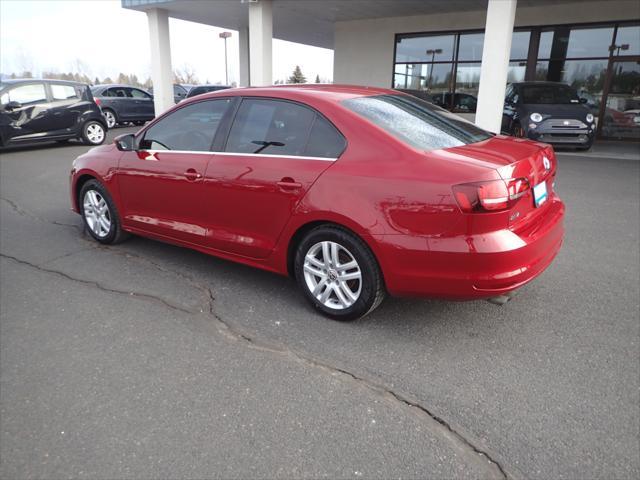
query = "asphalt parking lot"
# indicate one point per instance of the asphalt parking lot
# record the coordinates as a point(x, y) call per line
point(145, 360)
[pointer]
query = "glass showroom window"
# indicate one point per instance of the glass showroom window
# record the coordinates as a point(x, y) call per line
point(445, 69)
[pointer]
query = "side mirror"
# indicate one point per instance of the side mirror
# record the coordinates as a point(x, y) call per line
point(125, 142)
point(583, 100)
point(12, 106)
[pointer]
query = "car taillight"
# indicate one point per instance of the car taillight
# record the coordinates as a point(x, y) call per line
point(490, 196)
point(97, 100)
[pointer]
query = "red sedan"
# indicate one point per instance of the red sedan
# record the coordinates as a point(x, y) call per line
point(354, 191)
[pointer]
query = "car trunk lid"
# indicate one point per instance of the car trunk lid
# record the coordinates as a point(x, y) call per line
point(516, 159)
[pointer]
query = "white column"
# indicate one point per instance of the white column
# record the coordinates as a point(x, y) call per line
point(243, 39)
point(260, 35)
point(161, 72)
point(495, 63)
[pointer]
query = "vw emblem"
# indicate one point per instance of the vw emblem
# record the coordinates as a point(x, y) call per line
point(566, 122)
point(546, 163)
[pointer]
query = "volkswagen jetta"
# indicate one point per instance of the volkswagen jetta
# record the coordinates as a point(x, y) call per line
point(353, 191)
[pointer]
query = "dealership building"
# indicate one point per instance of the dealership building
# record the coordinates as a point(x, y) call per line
point(461, 52)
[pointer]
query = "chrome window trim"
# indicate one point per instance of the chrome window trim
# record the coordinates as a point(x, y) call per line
point(236, 154)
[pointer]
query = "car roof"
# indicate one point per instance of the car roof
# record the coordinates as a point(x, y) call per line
point(108, 85)
point(13, 81)
point(540, 82)
point(328, 92)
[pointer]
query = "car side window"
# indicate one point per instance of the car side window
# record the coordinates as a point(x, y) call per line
point(63, 92)
point(324, 141)
point(135, 93)
point(270, 127)
point(25, 94)
point(191, 128)
point(118, 92)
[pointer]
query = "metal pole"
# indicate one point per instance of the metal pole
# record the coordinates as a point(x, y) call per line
point(226, 70)
point(225, 35)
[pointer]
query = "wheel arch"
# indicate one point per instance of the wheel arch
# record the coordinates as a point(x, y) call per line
point(80, 181)
point(303, 229)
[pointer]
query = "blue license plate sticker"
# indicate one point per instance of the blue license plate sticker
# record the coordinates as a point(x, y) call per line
point(540, 193)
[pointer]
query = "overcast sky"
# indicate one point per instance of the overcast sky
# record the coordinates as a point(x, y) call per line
point(53, 35)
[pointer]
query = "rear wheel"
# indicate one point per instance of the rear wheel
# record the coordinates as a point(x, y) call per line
point(338, 273)
point(99, 213)
point(93, 133)
point(110, 118)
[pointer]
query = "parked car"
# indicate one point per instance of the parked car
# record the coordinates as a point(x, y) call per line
point(180, 92)
point(549, 112)
point(354, 191)
point(200, 89)
point(456, 102)
point(123, 104)
point(45, 110)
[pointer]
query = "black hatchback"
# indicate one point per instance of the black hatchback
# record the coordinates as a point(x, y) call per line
point(46, 110)
point(548, 112)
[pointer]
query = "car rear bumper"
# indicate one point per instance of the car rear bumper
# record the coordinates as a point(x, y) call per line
point(474, 266)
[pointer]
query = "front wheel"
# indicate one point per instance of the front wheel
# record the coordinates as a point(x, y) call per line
point(338, 273)
point(99, 213)
point(93, 133)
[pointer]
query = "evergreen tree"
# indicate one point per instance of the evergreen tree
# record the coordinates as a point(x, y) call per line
point(297, 76)
point(317, 78)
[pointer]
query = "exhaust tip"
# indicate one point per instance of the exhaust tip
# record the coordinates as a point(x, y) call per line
point(502, 299)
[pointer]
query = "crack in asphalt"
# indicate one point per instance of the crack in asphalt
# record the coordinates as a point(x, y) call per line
point(445, 427)
point(234, 334)
point(25, 213)
point(97, 285)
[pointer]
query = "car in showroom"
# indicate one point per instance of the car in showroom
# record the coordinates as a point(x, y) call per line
point(355, 192)
point(549, 112)
point(124, 104)
point(33, 110)
point(200, 89)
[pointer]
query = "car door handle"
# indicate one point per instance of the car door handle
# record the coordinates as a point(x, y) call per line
point(288, 183)
point(192, 175)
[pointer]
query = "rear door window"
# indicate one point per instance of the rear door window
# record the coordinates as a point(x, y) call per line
point(324, 141)
point(274, 127)
point(135, 93)
point(64, 92)
point(191, 128)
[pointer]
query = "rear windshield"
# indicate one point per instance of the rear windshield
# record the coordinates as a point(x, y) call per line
point(548, 94)
point(418, 123)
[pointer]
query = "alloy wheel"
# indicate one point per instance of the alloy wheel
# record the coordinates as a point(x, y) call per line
point(95, 133)
point(332, 275)
point(110, 118)
point(96, 213)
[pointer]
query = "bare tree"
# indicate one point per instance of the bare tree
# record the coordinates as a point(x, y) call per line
point(185, 74)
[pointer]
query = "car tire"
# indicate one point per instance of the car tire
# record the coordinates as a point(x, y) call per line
point(93, 133)
point(99, 214)
point(110, 117)
point(338, 273)
point(139, 123)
